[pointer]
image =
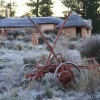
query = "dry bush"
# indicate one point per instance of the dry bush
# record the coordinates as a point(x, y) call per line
point(29, 60)
point(19, 47)
point(68, 50)
point(89, 82)
point(61, 46)
point(30, 30)
point(48, 31)
point(10, 37)
point(71, 46)
point(91, 47)
point(27, 38)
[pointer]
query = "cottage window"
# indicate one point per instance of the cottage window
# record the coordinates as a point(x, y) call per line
point(88, 31)
point(78, 32)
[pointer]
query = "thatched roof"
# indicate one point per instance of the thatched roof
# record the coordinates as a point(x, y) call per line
point(24, 22)
point(75, 20)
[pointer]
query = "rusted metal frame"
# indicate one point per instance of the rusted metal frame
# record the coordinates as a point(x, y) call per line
point(56, 39)
point(88, 59)
point(39, 31)
point(37, 65)
point(41, 71)
point(58, 54)
point(89, 66)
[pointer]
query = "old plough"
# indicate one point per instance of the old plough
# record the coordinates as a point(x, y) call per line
point(64, 72)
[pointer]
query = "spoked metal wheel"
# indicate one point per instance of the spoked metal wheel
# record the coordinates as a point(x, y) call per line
point(25, 70)
point(26, 75)
point(66, 72)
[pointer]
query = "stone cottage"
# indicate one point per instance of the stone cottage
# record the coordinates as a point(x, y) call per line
point(45, 23)
point(76, 26)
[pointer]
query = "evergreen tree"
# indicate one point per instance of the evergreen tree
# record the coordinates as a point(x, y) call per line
point(74, 5)
point(91, 12)
point(34, 7)
point(10, 6)
point(89, 9)
point(2, 8)
point(40, 7)
point(45, 8)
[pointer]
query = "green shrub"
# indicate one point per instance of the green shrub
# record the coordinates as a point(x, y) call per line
point(40, 40)
point(91, 47)
point(48, 31)
point(10, 37)
point(19, 47)
point(29, 60)
point(27, 38)
point(30, 30)
point(71, 46)
point(48, 92)
point(74, 39)
point(11, 45)
point(28, 47)
point(19, 38)
point(2, 44)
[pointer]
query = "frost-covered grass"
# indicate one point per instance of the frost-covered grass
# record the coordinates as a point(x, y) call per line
point(11, 60)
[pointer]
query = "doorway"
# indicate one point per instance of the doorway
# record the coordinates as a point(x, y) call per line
point(78, 32)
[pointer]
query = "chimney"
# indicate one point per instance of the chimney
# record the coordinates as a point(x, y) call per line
point(89, 21)
point(6, 13)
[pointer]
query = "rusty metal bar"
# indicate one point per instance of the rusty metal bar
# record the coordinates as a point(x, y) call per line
point(39, 31)
point(56, 39)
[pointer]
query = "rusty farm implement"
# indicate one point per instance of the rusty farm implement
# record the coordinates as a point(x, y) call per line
point(64, 72)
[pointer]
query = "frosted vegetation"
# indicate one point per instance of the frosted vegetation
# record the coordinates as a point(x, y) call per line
point(16, 52)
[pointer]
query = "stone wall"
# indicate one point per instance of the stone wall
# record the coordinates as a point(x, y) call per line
point(86, 32)
point(71, 32)
point(44, 27)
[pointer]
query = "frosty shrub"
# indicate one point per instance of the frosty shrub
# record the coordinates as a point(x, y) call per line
point(71, 46)
point(29, 60)
point(27, 38)
point(28, 47)
point(10, 37)
point(21, 32)
point(11, 45)
point(30, 30)
point(48, 38)
point(2, 44)
point(48, 31)
point(40, 40)
point(19, 38)
point(19, 47)
point(48, 90)
point(14, 33)
point(91, 47)
point(74, 39)
point(89, 82)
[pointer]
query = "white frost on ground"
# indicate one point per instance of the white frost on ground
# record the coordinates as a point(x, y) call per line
point(13, 59)
point(74, 56)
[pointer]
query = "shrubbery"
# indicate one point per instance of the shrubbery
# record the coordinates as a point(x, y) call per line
point(19, 47)
point(29, 60)
point(71, 46)
point(27, 38)
point(10, 37)
point(40, 40)
point(48, 31)
point(91, 47)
